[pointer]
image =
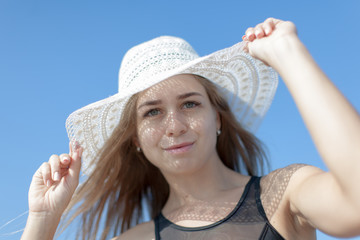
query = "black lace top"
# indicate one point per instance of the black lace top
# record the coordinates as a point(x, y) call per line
point(247, 221)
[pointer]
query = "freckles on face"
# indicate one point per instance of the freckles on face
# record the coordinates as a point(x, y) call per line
point(175, 120)
point(147, 134)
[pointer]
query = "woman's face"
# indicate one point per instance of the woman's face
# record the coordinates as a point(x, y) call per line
point(176, 125)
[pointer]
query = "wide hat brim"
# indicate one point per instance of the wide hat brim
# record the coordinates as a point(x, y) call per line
point(247, 84)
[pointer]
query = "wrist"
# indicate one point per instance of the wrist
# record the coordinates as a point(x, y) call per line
point(41, 225)
point(44, 215)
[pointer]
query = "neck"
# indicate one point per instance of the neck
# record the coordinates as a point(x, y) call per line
point(214, 182)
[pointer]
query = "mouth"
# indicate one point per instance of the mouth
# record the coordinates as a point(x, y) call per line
point(179, 148)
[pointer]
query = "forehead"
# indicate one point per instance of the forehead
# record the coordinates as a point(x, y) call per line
point(172, 87)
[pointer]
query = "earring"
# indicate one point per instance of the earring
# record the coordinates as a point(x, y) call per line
point(138, 149)
point(218, 132)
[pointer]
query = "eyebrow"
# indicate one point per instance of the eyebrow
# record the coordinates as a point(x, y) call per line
point(180, 97)
point(150, 103)
point(186, 95)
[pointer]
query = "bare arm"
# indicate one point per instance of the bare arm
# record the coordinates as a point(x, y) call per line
point(329, 201)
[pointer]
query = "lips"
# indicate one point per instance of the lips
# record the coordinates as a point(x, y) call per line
point(179, 148)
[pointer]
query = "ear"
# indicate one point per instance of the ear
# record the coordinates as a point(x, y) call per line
point(218, 120)
point(136, 141)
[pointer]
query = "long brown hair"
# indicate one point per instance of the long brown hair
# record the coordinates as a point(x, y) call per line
point(123, 178)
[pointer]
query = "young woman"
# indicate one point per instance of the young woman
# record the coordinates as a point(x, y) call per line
point(178, 137)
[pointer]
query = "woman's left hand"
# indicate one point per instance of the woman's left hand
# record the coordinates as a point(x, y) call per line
point(264, 40)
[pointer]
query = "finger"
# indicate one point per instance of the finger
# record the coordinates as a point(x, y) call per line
point(259, 31)
point(268, 26)
point(75, 166)
point(250, 34)
point(71, 143)
point(45, 173)
point(65, 160)
point(246, 49)
point(54, 162)
point(64, 172)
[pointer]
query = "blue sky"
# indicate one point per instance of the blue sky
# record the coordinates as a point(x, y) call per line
point(57, 56)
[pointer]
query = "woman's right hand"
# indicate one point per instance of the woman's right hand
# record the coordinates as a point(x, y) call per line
point(54, 183)
point(265, 40)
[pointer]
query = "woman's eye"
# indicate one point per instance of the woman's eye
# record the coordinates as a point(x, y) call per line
point(190, 104)
point(152, 113)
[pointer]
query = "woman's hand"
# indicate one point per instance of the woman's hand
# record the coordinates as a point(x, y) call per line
point(267, 38)
point(54, 183)
point(50, 192)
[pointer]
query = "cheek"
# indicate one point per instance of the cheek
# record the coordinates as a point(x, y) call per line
point(203, 124)
point(197, 124)
point(148, 135)
point(149, 138)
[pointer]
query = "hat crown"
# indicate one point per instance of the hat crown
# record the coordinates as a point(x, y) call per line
point(157, 56)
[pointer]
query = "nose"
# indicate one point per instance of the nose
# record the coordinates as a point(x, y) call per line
point(175, 125)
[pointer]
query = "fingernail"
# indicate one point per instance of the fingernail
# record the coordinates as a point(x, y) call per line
point(267, 31)
point(56, 176)
point(250, 37)
point(48, 183)
point(77, 145)
point(66, 159)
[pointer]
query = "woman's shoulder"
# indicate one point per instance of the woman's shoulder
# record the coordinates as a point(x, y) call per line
point(276, 188)
point(141, 231)
point(282, 177)
point(275, 185)
point(283, 174)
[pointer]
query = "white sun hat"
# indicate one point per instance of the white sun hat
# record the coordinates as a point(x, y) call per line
point(247, 83)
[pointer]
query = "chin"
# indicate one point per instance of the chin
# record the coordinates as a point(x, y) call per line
point(182, 166)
